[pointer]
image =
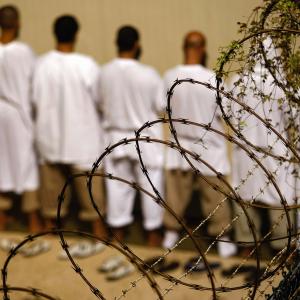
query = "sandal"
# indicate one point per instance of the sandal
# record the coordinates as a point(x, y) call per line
point(254, 275)
point(154, 260)
point(200, 266)
point(241, 269)
point(168, 267)
point(8, 244)
point(36, 248)
point(111, 264)
point(82, 250)
point(120, 272)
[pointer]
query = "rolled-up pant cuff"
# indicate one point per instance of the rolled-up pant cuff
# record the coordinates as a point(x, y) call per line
point(120, 222)
point(152, 224)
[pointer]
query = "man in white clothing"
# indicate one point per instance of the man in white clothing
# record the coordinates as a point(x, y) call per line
point(18, 165)
point(131, 96)
point(68, 129)
point(196, 103)
point(257, 187)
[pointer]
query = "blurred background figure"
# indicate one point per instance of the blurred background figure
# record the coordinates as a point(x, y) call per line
point(196, 103)
point(257, 188)
point(18, 165)
point(132, 95)
point(68, 129)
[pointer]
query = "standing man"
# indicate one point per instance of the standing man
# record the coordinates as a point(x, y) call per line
point(132, 95)
point(68, 131)
point(271, 104)
point(196, 103)
point(18, 165)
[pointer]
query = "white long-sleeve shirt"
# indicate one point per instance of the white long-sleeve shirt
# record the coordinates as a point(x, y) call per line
point(18, 166)
point(65, 93)
point(131, 95)
point(196, 103)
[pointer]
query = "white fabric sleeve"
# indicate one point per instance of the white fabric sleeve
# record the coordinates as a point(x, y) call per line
point(40, 85)
point(159, 96)
point(36, 77)
point(95, 86)
point(33, 59)
point(92, 77)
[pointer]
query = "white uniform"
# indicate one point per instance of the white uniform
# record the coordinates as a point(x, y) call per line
point(132, 95)
point(250, 181)
point(65, 92)
point(18, 166)
point(196, 103)
point(256, 185)
point(68, 130)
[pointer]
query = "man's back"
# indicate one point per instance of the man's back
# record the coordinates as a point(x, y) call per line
point(131, 94)
point(196, 103)
point(18, 170)
point(16, 67)
point(192, 101)
point(65, 92)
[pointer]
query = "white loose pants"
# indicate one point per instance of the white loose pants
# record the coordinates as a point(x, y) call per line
point(121, 196)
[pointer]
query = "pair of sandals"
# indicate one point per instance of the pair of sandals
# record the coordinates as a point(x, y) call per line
point(77, 250)
point(193, 267)
point(250, 272)
point(115, 268)
point(32, 249)
point(82, 250)
point(160, 264)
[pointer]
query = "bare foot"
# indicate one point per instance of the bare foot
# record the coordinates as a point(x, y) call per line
point(154, 238)
point(99, 229)
point(245, 252)
point(119, 234)
point(49, 224)
point(34, 223)
point(3, 221)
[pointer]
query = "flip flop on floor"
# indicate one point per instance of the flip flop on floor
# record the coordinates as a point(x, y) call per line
point(83, 249)
point(200, 267)
point(157, 260)
point(111, 264)
point(36, 248)
point(253, 275)
point(168, 267)
point(7, 244)
point(121, 272)
point(241, 270)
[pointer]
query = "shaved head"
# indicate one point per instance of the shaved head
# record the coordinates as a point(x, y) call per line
point(194, 39)
point(194, 47)
point(9, 17)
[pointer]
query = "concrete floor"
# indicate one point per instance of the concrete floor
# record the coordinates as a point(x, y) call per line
point(57, 278)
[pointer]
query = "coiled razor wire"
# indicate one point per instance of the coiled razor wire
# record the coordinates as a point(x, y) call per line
point(278, 20)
